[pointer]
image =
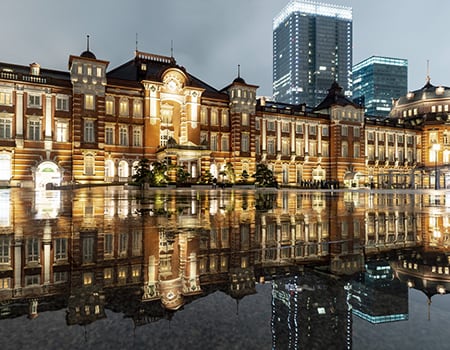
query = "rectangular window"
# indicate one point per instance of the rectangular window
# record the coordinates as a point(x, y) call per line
point(62, 103)
point(123, 136)
point(344, 130)
point(109, 105)
point(313, 129)
point(344, 149)
point(325, 149)
point(34, 130)
point(356, 132)
point(225, 118)
point(271, 146)
point(271, 126)
point(137, 243)
point(109, 244)
point(89, 135)
point(225, 143)
point(123, 107)
point(390, 138)
point(89, 166)
point(299, 128)
point(31, 280)
point(4, 250)
point(257, 125)
point(285, 127)
point(285, 147)
point(213, 142)
point(5, 128)
point(34, 101)
point(370, 136)
point(32, 250)
point(137, 137)
point(214, 118)
point(88, 250)
point(123, 244)
point(109, 135)
point(203, 116)
point(60, 248)
point(245, 119)
point(62, 131)
point(89, 102)
point(245, 144)
point(5, 98)
point(325, 131)
point(356, 150)
point(137, 109)
point(99, 72)
point(60, 276)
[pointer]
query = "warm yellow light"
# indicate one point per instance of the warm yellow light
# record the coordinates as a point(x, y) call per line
point(436, 147)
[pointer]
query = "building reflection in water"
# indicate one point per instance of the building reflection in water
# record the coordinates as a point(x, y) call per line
point(147, 254)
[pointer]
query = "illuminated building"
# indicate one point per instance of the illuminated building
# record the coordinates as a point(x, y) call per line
point(377, 81)
point(92, 125)
point(312, 48)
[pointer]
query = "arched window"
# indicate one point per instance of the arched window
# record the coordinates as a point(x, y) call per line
point(109, 170)
point(89, 164)
point(123, 169)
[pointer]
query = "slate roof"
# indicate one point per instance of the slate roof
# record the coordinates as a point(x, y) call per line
point(427, 92)
point(335, 97)
point(156, 65)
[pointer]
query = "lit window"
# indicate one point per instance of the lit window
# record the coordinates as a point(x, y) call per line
point(137, 109)
point(214, 118)
point(213, 143)
point(89, 70)
point(99, 72)
point(245, 120)
point(5, 98)
point(109, 106)
point(89, 102)
point(123, 107)
point(89, 165)
point(62, 131)
point(225, 118)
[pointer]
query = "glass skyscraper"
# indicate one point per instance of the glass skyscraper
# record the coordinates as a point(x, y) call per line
point(377, 80)
point(312, 48)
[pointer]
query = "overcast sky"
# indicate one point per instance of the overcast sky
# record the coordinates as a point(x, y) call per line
point(211, 37)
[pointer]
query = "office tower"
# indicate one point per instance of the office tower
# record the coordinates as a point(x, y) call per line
point(312, 48)
point(377, 80)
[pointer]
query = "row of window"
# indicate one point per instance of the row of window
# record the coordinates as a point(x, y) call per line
point(34, 100)
point(391, 137)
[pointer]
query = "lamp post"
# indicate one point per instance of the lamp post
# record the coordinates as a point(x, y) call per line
point(436, 147)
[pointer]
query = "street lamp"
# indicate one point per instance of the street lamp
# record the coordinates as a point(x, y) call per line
point(436, 147)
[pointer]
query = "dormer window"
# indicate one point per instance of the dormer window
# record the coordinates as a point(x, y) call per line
point(35, 69)
point(143, 67)
point(410, 95)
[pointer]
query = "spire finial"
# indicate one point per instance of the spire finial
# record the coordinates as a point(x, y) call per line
point(87, 42)
point(428, 71)
point(239, 70)
point(171, 48)
point(136, 42)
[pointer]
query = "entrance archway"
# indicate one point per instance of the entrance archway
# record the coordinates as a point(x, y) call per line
point(47, 174)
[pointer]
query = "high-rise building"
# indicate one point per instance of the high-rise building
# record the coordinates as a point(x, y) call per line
point(377, 80)
point(312, 48)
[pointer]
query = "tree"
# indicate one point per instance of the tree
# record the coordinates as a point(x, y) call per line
point(245, 175)
point(264, 176)
point(228, 173)
point(182, 175)
point(142, 171)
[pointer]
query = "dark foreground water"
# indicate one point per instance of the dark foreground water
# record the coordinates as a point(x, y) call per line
point(224, 269)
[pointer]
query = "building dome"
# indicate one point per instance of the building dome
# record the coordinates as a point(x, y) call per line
point(428, 99)
point(88, 54)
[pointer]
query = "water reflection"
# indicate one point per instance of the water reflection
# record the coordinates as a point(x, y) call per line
point(328, 257)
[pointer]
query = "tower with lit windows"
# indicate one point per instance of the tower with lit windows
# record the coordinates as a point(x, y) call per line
point(312, 48)
point(377, 81)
